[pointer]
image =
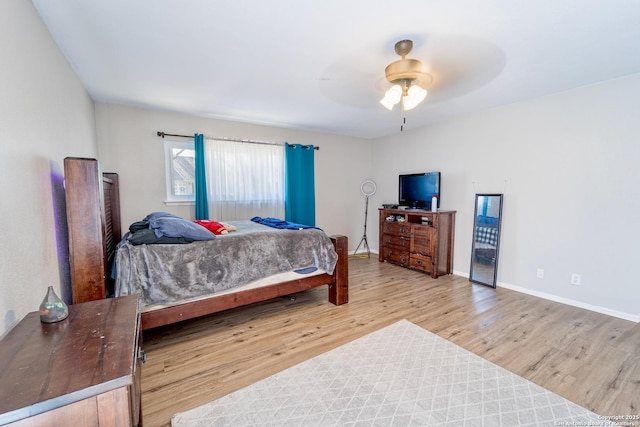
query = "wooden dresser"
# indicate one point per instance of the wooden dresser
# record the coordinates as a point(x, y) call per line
point(422, 240)
point(82, 371)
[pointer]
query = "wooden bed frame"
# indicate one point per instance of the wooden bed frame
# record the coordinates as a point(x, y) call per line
point(93, 218)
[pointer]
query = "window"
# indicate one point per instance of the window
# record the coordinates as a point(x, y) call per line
point(180, 171)
point(244, 179)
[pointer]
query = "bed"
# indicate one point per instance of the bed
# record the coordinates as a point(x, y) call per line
point(94, 229)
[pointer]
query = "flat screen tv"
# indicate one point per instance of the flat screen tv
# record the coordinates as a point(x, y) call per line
point(416, 190)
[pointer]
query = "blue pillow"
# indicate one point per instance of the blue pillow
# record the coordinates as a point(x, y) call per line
point(172, 226)
point(154, 215)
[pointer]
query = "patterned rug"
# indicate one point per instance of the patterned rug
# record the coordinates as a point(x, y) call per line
point(401, 375)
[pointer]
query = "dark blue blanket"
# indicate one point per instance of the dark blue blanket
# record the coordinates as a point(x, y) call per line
point(280, 223)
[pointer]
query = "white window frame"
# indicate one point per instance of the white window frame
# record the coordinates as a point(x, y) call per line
point(172, 199)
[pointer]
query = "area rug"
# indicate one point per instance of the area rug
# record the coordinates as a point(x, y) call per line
point(401, 375)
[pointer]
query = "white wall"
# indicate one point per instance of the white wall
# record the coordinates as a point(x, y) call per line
point(568, 167)
point(45, 115)
point(129, 145)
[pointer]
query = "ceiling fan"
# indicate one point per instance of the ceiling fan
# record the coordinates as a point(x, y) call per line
point(451, 66)
point(408, 77)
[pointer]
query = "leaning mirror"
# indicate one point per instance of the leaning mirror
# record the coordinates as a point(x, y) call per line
point(486, 239)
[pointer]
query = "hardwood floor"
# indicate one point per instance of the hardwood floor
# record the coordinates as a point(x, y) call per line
point(589, 358)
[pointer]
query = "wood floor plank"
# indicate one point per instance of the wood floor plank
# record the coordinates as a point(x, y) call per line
point(589, 358)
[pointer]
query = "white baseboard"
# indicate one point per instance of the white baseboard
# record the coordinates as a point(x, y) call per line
point(602, 310)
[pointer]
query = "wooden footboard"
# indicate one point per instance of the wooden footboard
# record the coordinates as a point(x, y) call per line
point(338, 293)
point(339, 288)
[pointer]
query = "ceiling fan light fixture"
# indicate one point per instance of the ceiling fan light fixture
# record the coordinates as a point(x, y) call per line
point(388, 105)
point(392, 96)
point(415, 95)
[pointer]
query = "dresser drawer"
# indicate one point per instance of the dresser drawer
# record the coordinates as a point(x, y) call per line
point(397, 228)
point(396, 256)
point(420, 262)
point(401, 242)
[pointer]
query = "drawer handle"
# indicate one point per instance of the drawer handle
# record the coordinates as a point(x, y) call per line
point(142, 356)
point(419, 262)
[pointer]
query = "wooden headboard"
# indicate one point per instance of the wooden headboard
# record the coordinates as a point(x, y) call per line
point(93, 219)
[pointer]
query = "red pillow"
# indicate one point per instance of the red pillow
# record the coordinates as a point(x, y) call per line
point(212, 226)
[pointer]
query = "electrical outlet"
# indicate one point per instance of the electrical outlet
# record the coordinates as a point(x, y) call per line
point(575, 279)
point(540, 273)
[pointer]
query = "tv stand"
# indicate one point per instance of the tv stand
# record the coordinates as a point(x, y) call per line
point(418, 239)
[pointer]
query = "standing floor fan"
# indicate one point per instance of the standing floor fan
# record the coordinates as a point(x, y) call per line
point(368, 188)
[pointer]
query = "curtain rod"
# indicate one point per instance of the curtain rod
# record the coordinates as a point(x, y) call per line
point(249, 141)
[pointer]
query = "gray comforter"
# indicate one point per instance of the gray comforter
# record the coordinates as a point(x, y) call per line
point(165, 274)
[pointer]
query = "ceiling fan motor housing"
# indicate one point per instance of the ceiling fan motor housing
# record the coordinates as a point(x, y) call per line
point(405, 71)
point(410, 70)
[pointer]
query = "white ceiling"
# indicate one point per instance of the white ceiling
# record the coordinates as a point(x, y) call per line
point(319, 65)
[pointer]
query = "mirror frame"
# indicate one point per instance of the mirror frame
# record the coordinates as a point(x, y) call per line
point(475, 278)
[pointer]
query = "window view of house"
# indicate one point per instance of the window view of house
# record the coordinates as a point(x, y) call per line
point(180, 163)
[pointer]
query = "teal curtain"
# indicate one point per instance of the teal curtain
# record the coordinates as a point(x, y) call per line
point(299, 196)
point(202, 204)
